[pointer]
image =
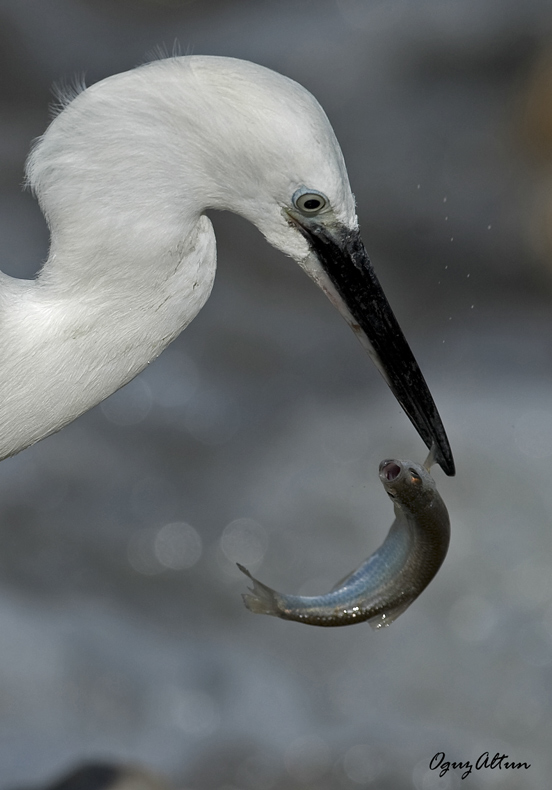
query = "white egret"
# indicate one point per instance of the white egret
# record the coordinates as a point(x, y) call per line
point(123, 176)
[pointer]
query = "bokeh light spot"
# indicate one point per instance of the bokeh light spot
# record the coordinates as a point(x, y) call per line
point(244, 540)
point(177, 546)
point(196, 713)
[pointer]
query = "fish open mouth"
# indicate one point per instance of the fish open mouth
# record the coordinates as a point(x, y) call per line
point(390, 470)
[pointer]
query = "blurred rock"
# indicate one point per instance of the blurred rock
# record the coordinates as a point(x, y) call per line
point(104, 776)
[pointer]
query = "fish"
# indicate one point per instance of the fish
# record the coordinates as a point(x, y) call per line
point(391, 579)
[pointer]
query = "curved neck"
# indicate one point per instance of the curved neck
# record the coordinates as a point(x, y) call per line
point(68, 345)
point(131, 262)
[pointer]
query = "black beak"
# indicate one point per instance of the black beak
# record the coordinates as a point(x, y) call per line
point(362, 302)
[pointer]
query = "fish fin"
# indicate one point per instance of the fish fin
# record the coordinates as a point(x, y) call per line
point(342, 581)
point(431, 458)
point(384, 619)
point(262, 599)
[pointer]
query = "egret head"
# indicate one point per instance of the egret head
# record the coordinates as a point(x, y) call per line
point(271, 155)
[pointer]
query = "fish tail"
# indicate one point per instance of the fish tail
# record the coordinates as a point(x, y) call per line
point(261, 599)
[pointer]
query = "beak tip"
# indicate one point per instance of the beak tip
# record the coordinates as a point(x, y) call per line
point(441, 454)
point(448, 466)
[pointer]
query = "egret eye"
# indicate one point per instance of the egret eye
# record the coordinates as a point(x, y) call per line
point(309, 203)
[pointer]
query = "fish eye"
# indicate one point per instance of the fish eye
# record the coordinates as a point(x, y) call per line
point(309, 202)
point(415, 477)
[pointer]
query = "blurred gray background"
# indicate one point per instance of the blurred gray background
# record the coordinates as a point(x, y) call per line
point(257, 435)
